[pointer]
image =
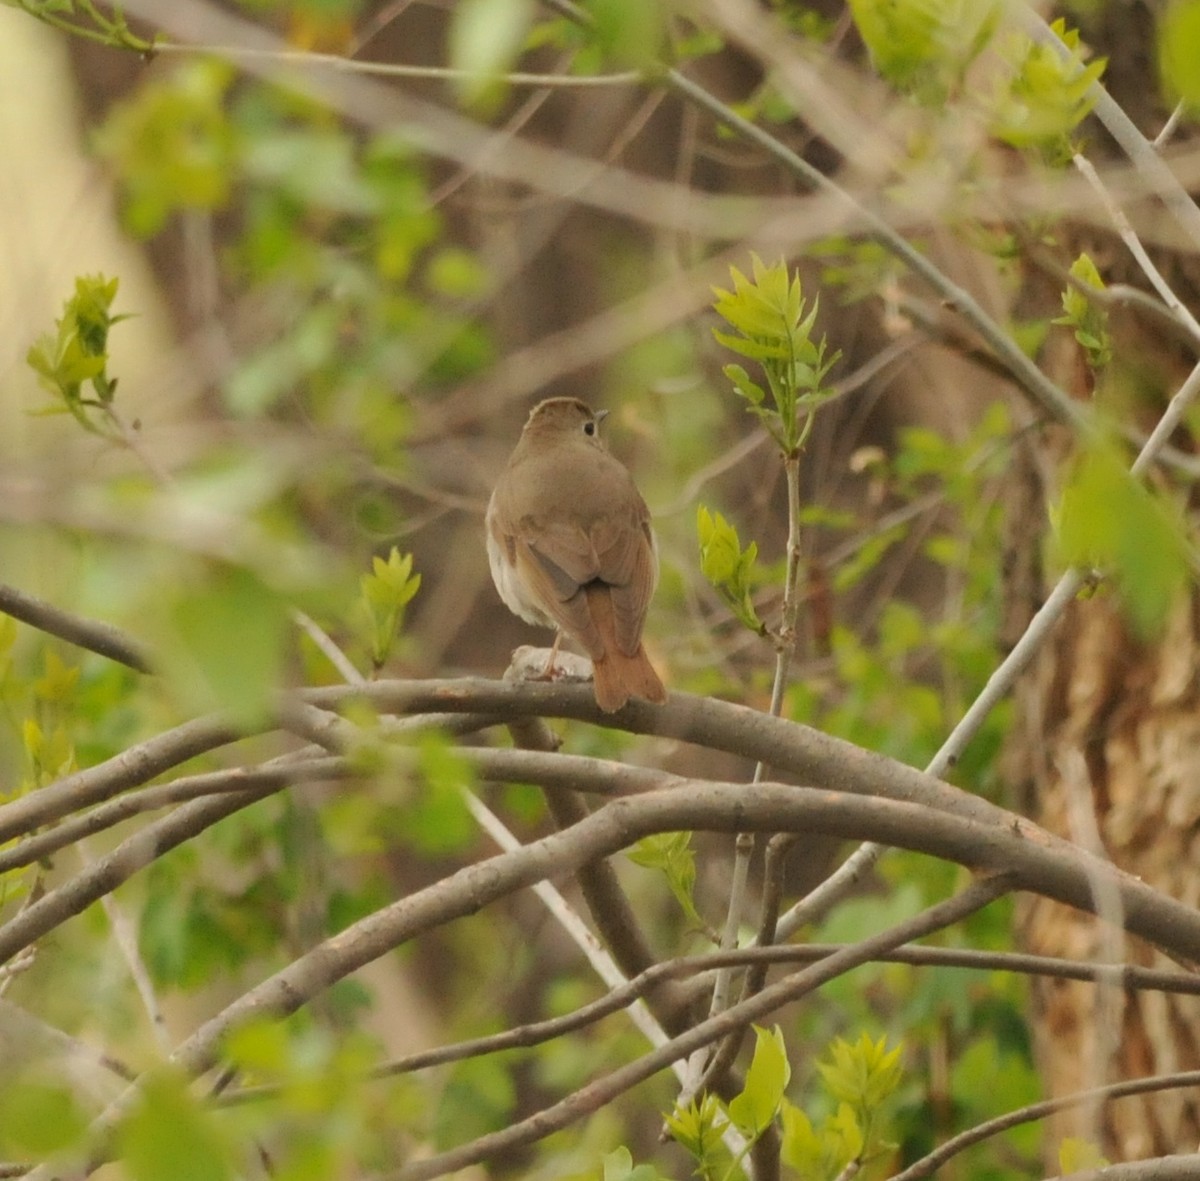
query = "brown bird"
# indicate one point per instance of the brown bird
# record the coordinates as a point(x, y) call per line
point(570, 547)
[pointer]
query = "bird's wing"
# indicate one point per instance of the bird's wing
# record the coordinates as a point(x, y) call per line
point(552, 573)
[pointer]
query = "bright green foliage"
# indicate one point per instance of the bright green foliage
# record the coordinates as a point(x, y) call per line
point(192, 929)
point(74, 357)
point(1074, 1156)
point(486, 36)
point(50, 753)
point(1179, 51)
point(224, 635)
point(860, 1078)
point(618, 1166)
point(1110, 521)
point(438, 821)
point(46, 731)
point(728, 567)
point(38, 1117)
point(773, 327)
point(327, 1117)
point(1046, 95)
point(698, 1128)
point(671, 854)
point(924, 47)
point(172, 1134)
point(629, 32)
point(1088, 318)
point(990, 1074)
point(172, 145)
point(415, 798)
point(820, 1154)
point(755, 1108)
point(384, 595)
point(863, 1074)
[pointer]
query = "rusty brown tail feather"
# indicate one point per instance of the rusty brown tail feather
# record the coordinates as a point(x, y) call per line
point(618, 677)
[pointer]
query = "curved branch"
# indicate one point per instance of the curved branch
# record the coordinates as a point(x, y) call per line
point(198, 1051)
point(604, 1090)
point(102, 638)
point(274, 775)
point(536, 1033)
point(129, 857)
point(128, 769)
point(1052, 870)
point(928, 1165)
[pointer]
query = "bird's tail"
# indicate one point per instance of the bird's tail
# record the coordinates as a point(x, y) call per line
point(617, 676)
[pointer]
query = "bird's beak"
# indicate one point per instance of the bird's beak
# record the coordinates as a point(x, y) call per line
point(600, 416)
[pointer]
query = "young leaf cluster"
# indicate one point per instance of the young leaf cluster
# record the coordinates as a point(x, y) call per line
point(729, 567)
point(72, 361)
point(699, 1127)
point(924, 47)
point(773, 327)
point(1088, 318)
point(1046, 95)
point(672, 855)
point(384, 595)
point(859, 1077)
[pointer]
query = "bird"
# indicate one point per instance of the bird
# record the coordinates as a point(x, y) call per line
point(570, 546)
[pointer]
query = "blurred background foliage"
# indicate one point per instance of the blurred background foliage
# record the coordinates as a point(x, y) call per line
point(340, 336)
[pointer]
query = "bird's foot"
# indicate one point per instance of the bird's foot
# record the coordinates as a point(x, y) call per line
point(544, 664)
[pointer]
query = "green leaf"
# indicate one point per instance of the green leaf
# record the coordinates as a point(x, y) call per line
point(924, 47)
point(260, 1047)
point(438, 820)
point(729, 568)
point(618, 1166)
point(1046, 95)
point(824, 1154)
point(773, 326)
point(1075, 1155)
point(486, 37)
point(172, 145)
point(801, 1147)
point(1108, 520)
point(478, 1097)
point(754, 1109)
point(38, 1116)
point(171, 1135)
point(1179, 51)
point(861, 1074)
point(698, 1127)
point(630, 33)
point(1086, 316)
point(226, 641)
point(671, 854)
point(384, 595)
point(75, 355)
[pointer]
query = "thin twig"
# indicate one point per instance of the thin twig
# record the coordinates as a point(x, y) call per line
point(928, 1165)
point(127, 944)
point(535, 1033)
point(602, 1091)
point(310, 59)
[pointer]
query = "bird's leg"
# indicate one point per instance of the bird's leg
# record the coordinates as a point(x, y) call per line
point(548, 671)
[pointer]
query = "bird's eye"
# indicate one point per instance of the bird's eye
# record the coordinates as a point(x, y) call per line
point(589, 427)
